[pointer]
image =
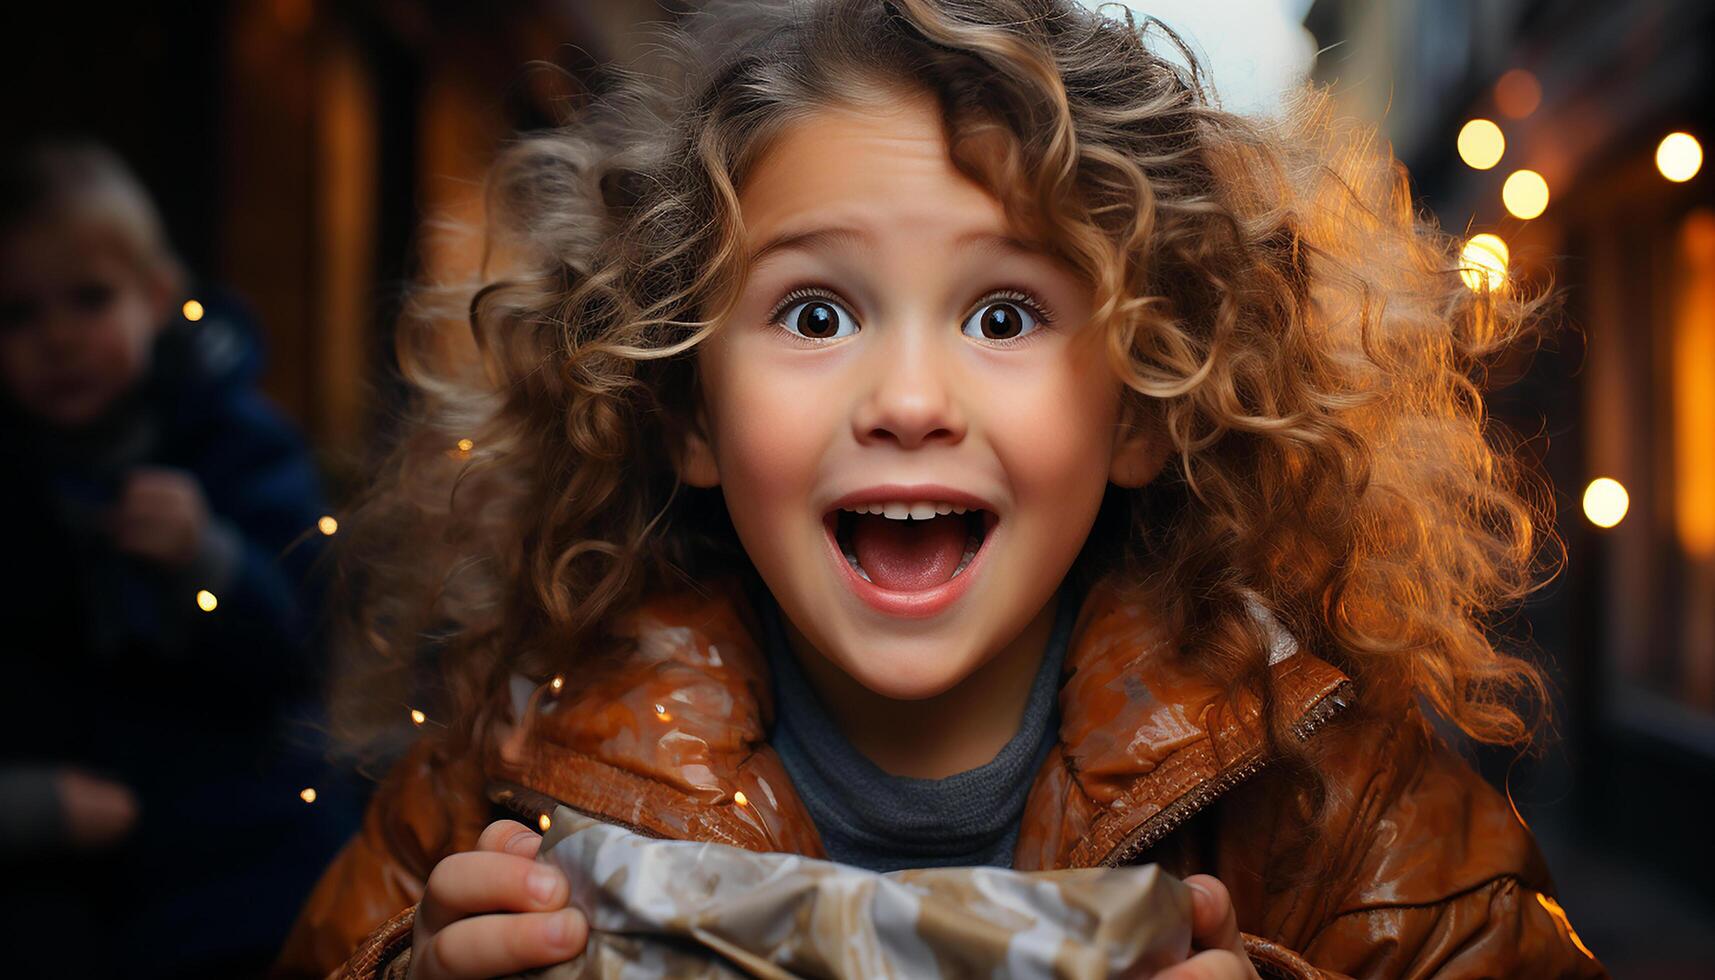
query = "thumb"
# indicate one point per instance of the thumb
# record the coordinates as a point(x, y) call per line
point(1214, 924)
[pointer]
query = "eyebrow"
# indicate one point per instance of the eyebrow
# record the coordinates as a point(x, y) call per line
point(838, 237)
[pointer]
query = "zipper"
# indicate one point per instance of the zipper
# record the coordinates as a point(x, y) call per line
point(1175, 814)
point(533, 805)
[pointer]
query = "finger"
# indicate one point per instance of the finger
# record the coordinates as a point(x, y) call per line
point(509, 837)
point(474, 882)
point(1216, 964)
point(1214, 924)
point(501, 945)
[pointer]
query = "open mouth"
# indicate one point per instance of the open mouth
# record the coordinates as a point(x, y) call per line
point(909, 547)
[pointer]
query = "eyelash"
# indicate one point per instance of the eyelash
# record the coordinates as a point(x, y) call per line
point(1012, 294)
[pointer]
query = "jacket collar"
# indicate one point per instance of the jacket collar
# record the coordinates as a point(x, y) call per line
point(670, 737)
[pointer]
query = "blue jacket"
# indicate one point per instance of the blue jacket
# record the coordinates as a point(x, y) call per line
point(111, 665)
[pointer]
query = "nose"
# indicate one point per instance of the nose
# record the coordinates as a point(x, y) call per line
point(912, 401)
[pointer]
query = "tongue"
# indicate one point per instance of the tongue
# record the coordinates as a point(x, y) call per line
point(908, 556)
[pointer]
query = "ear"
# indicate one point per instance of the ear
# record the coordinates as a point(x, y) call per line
point(694, 456)
point(1140, 451)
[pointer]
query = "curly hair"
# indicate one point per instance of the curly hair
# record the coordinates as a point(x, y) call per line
point(1271, 301)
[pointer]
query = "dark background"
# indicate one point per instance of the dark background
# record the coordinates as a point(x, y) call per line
point(296, 147)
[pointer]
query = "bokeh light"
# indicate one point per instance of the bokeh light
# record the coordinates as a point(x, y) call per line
point(327, 525)
point(308, 794)
point(1525, 194)
point(1517, 93)
point(544, 822)
point(417, 716)
point(206, 600)
point(1481, 144)
point(1483, 262)
point(1679, 156)
point(192, 310)
point(1605, 502)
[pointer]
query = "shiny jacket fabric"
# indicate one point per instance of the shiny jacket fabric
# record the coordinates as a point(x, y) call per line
point(1424, 869)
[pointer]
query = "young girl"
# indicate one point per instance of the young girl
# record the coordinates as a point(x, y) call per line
point(933, 433)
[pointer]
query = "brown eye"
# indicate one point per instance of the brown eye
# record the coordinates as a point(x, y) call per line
point(818, 319)
point(1001, 320)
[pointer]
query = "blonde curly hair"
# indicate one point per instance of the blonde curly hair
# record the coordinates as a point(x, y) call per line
point(1271, 301)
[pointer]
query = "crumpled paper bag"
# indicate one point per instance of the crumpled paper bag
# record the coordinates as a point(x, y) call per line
point(663, 908)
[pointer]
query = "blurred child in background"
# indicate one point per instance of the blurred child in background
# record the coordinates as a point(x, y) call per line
point(157, 623)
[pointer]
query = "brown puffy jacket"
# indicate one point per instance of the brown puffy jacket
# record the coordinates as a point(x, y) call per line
point(1425, 869)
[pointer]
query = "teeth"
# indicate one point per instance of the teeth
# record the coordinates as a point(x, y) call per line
point(971, 546)
point(908, 510)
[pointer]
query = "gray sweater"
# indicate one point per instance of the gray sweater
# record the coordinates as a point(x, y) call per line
point(872, 819)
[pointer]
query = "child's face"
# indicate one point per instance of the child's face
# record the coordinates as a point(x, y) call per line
point(914, 396)
point(76, 322)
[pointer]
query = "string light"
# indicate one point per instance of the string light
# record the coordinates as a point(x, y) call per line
point(327, 525)
point(417, 717)
point(1481, 144)
point(307, 794)
point(1517, 93)
point(557, 683)
point(1679, 156)
point(662, 713)
point(741, 799)
point(192, 310)
point(1483, 262)
point(1605, 502)
point(466, 445)
point(206, 600)
point(1525, 194)
point(544, 822)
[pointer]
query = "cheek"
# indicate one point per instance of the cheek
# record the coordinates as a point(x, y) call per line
point(771, 431)
point(1055, 434)
point(18, 361)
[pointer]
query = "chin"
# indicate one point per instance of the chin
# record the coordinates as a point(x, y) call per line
point(904, 674)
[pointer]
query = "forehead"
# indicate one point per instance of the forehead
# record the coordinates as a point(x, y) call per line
point(48, 252)
point(881, 168)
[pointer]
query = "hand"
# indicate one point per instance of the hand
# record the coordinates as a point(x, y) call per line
point(98, 812)
point(161, 516)
point(1214, 931)
point(456, 937)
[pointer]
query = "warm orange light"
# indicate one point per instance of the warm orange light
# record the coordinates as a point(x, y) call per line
point(417, 717)
point(327, 525)
point(192, 310)
point(1553, 908)
point(740, 798)
point(1605, 502)
point(1693, 374)
point(662, 713)
point(1525, 194)
point(1483, 262)
point(557, 683)
point(544, 822)
point(1481, 144)
point(1517, 93)
point(465, 445)
point(307, 794)
point(206, 600)
point(1679, 156)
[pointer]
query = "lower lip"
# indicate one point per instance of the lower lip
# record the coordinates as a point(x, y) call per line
point(907, 605)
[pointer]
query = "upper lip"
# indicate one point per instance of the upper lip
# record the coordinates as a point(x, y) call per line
point(912, 493)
